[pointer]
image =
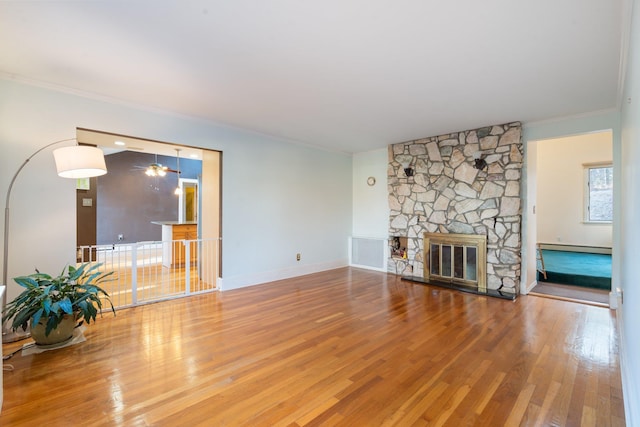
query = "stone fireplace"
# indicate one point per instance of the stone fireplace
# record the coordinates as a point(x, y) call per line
point(447, 194)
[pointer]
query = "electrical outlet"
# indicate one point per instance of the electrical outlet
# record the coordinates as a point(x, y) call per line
point(298, 257)
point(120, 236)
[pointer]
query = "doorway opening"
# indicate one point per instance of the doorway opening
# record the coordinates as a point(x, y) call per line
point(188, 200)
point(155, 218)
point(569, 215)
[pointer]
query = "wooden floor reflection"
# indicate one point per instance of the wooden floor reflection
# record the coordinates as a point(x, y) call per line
point(345, 347)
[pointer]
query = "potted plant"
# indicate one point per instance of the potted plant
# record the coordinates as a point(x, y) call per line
point(54, 305)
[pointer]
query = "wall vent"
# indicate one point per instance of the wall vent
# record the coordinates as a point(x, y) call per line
point(368, 253)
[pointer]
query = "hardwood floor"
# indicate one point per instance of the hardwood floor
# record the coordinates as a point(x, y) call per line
point(345, 347)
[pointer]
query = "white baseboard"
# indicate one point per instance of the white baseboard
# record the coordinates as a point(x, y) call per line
point(576, 248)
point(367, 267)
point(237, 282)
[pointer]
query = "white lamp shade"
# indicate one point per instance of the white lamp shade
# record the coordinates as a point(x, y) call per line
point(79, 161)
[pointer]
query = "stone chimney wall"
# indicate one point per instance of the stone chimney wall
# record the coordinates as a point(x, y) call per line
point(448, 195)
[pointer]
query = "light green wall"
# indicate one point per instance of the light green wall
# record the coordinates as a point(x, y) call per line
point(370, 204)
point(279, 198)
point(629, 313)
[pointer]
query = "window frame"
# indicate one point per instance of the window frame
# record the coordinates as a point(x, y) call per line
point(587, 167)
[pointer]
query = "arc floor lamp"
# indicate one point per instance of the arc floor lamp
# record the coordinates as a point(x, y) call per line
point(76, 161)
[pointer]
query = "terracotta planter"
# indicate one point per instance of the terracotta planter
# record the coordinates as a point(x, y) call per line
point(59, 335)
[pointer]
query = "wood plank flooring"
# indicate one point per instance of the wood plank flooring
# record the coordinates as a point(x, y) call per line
point(345, 347)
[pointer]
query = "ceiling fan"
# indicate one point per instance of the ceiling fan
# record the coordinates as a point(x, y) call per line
point(156, 169)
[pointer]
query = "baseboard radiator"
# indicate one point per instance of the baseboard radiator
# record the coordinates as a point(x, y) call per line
point(366, 252)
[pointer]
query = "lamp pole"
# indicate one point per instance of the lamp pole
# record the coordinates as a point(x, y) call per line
point(8, 336)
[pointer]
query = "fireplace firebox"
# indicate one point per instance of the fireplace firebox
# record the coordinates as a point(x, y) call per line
point(456, 258)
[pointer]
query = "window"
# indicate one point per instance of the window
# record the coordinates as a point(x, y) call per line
point(598, 193)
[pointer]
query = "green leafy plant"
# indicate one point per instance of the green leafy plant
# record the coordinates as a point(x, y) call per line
point(74, 292)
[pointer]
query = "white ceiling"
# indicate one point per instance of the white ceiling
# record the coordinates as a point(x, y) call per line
point(347, 75)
